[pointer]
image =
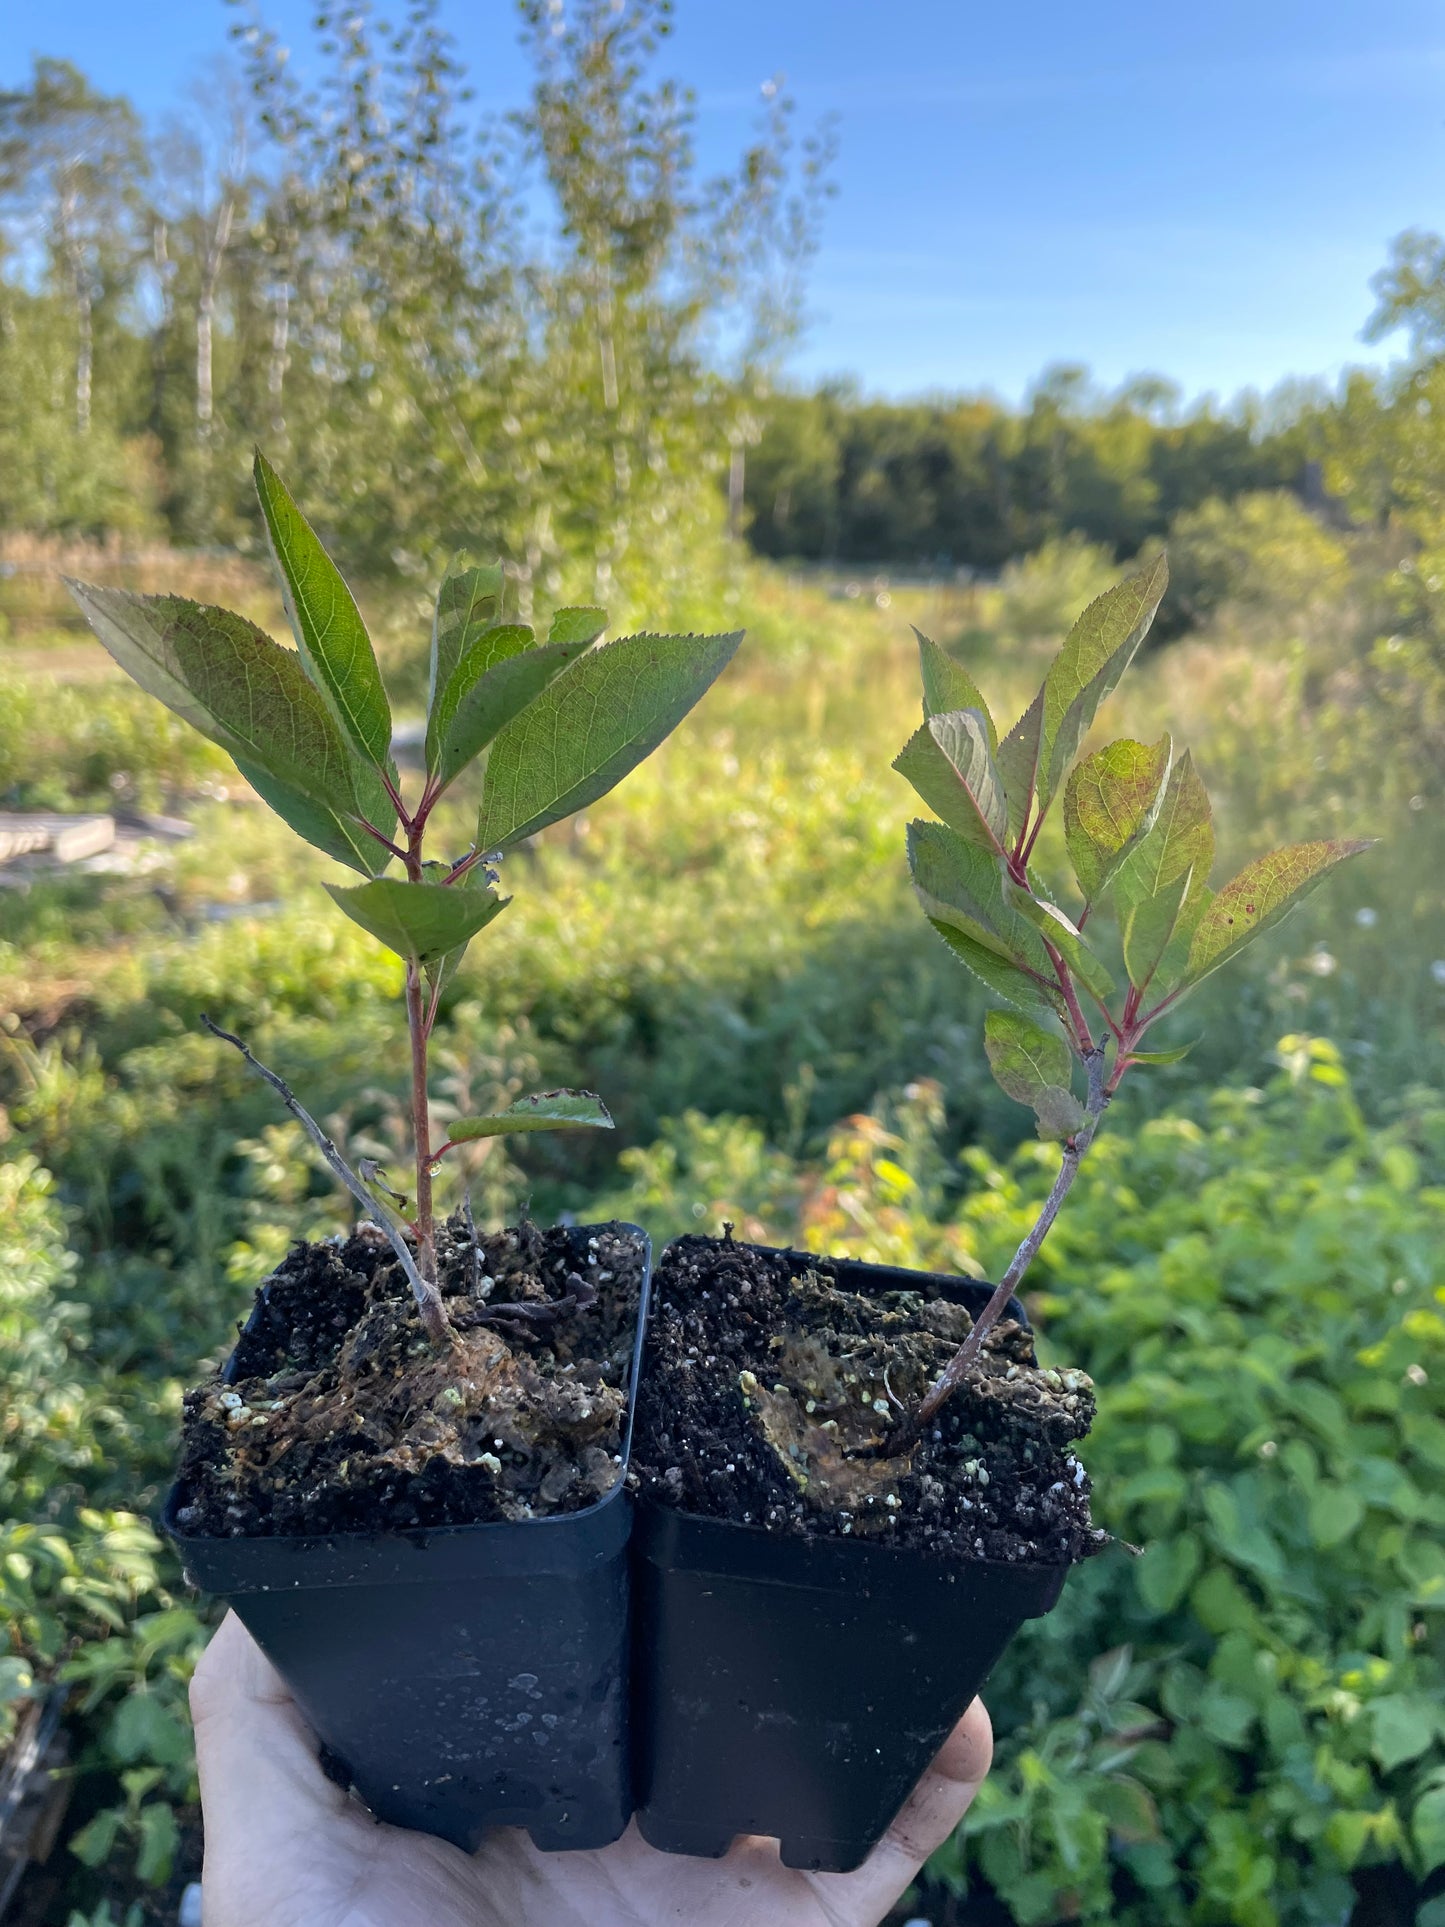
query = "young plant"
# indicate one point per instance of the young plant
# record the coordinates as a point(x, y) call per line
point(1140, 836)
point(561, 722)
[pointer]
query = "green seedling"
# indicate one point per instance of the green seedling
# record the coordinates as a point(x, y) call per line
point(560, 720)
point(1140, 837)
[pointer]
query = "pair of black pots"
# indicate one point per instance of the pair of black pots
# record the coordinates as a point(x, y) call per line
point(565, 1674)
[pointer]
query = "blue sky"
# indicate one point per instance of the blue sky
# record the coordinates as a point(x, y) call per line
point(1203, 192)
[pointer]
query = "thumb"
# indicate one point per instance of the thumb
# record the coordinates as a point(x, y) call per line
point(256, 1756)
point(933, 1810)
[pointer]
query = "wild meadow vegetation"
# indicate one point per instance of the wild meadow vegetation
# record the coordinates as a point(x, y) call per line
point(1238, 1722)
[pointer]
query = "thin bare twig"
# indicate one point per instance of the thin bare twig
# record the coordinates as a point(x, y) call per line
point(428, 1298)
point(957, 1368)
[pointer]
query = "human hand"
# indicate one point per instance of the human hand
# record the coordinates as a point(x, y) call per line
point(287, 1847)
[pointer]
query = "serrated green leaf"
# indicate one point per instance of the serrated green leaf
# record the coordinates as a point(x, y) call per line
point(1098, 649)
point(341, 837)
point(1148, 926)
point(592, 725)
point(1261, 896)
point(582, 625)
point(229, 680)
point(484, 648)
point(1182, 838)
point(1111, 801)
point(419, 921)
point(960, 887)
point(948, 762)
point(1023, 1057)
point(1057, 929)
point(326, 622)
point(543, 1111)
point(468, 601)
point(987, 965)
point(947, 685)
point(479, 704)
point(1018, 764)
point(1033, 1067)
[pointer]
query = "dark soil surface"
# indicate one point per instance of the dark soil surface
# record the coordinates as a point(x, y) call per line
point(769, 1392)
point(340, 1415)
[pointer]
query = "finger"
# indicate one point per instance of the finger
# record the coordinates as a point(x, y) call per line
point(932, 1811)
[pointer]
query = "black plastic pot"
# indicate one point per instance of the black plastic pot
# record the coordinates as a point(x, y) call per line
point(800, 1687)
point(461, 1678)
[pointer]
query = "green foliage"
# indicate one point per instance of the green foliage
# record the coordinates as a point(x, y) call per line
point(1267, 1340)
point(1111, 802)
point(420, 921)
point(1261, 552)
point(330, 635)
point(592, 726)
point(540, 1112)
point(737, 964)
point(1139, 830)
point(314, 730)
point(1079, 477)
point(1033, 1067)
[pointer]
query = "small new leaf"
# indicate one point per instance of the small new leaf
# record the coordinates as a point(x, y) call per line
point(1148, 928)
point(499, 674)
point(1181, 838)
point(1175, 1056)
point(1098, 649)
point(592, 725)
point(543, 1111)
point(419, 921)
point(947, 685)
point(949, 762)
point(1033, 1067)
point(1111, 801)
point(583, 625)
point(1261, 896)
point(468, 601)
point(326, 622)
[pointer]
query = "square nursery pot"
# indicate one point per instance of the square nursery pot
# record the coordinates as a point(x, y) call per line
point(461, 1677)
point(798, 1687)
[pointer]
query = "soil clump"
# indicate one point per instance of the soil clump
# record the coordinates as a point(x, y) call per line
point(337, 1414)
point(770, 1392)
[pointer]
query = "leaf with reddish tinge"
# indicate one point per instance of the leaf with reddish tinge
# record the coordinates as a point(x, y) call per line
point(948, 762)
point(1111, 801)
point(1261, 896)
point(1098, 649)
point(1033, 1067)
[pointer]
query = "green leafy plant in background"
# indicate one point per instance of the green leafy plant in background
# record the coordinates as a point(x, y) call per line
point(1272, 1742)
point(561, 722)
point(1140, 837)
